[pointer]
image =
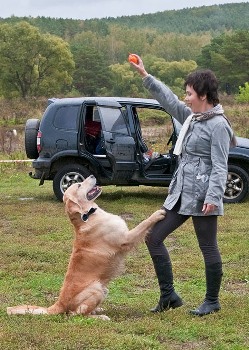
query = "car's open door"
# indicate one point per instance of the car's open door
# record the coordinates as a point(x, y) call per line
point(119, 144)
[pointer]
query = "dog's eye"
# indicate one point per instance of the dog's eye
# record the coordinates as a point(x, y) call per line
point(79, 185)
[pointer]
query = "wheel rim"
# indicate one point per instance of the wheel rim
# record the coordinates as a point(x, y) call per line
point(234, 186)
point(70, 178)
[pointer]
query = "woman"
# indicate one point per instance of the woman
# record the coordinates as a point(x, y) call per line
point(198, 184)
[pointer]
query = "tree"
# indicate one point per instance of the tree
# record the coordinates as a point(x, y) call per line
point(228, 56)
point(127, 82)
point(172, 73)
point(176, 47)
point(33, 64)
point(243, 95)
point(92, 74)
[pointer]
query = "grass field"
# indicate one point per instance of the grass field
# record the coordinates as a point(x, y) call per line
point(35, 242)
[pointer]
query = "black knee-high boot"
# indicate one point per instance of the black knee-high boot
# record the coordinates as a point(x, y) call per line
point(213, 281)
point(168, 297)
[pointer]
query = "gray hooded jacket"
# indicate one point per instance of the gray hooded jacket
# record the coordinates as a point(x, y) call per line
point(202, 171)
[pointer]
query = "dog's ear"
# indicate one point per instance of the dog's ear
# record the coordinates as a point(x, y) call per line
point(71, 205)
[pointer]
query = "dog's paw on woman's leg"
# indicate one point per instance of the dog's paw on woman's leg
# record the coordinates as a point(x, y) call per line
point(158, 215)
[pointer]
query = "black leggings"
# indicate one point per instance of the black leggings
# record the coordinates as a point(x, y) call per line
point(205, 229)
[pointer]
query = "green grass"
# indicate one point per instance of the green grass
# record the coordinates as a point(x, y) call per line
point(35, 243)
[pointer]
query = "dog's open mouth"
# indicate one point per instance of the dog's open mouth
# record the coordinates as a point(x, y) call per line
point(93, 193)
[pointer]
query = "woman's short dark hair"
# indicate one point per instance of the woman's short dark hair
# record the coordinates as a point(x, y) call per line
point(204, 82)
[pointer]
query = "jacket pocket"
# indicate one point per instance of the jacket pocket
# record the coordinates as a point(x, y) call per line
point(201, 180)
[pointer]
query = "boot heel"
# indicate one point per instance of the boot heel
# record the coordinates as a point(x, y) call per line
point(165, 304)
point(176, 303)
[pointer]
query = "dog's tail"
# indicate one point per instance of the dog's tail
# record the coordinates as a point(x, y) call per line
point(26, 309)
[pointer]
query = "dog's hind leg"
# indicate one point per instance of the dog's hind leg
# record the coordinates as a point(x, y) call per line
point(90, 298)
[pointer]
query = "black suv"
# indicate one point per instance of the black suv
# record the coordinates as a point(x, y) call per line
point(106, 136)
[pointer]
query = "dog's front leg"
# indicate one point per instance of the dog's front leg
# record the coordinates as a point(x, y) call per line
point(141, 230)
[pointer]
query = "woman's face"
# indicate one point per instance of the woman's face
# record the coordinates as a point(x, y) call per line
point(196, 103)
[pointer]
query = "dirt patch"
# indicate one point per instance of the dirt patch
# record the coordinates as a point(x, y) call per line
point(238, 287)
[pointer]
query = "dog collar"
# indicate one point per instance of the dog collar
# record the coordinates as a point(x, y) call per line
point(84, 217)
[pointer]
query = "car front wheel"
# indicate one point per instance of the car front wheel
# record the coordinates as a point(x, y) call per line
point(67, 176)
point(237, 185)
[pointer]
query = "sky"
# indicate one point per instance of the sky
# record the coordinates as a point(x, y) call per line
point(87, 9)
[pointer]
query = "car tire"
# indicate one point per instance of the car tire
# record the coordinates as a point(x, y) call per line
point(31, 130)
point(67, 176)
point(237, 184)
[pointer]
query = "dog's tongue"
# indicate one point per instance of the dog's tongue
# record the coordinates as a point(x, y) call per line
point(93, 192)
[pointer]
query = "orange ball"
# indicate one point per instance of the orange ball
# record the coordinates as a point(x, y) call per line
point(133, 58)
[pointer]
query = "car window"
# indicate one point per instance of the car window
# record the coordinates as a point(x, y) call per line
point(155, 128)
point(113, 120)
point(66, 117)
point(96, 116)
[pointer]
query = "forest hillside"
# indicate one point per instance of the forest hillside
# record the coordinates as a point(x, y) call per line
point(46, 56)
point(216, 18)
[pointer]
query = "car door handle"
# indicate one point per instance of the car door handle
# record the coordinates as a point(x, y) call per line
point(110, 141)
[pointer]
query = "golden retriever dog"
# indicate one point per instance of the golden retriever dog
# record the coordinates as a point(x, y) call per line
point(101, 242)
